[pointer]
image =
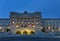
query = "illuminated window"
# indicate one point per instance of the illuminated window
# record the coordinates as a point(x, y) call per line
point(17, 26)
point(41, 27)
point(13, 22)
point(22, 22)
point(49, 27)
point(33, 25)
point(8, 27)
point(52, 30)
point(28, 22)
point(2, 30)
point(59, 28)
point(29, 25)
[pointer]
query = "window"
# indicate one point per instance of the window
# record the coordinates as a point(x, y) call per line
point(37, 22)
point(17, 26)
point(8, 30)
point(13, 22)
point(32, 21)
point(28, 22)
point(49, 27)
point(32, 18)
point(12, 19)
point(22, 22)
point(25, 26)
point(29, 25)
point(25, 18)
point(28, 18)
point(21, 18)
point(8, 27)
point(25, 21)
point(59, 28)
point(21, 25)
point(41, 27)
point(0, 27)
point(33, 25)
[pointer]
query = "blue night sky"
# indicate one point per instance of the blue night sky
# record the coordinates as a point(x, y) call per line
point(49, 8)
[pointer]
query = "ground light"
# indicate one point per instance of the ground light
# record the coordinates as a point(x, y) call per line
point(25, 31)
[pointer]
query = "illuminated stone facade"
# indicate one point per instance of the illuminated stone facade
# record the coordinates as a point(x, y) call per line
point(29, 23)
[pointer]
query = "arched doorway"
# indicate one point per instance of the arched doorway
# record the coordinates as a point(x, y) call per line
point(43, 30)
point(7, 30)
point(25, 32)
point(18, 32)
point(32, 32)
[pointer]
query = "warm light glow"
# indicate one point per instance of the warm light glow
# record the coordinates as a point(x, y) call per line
point(29, 25)
point(33, 25)
point(22, 22)
point(41, 27)
point(52, 30)
point(28, 22)
point(59, 28)
point(26, 29)
point(2, 30)
point(13, 22)
point(17, 26)
point(49, 27)
point(0, 27)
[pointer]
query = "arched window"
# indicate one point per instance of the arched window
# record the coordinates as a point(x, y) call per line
point(43, 30)
point(8, 30)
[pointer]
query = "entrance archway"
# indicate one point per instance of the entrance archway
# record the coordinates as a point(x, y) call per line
point(32, 32)
point(18, 32)
point(25, 32)
point(7, 30)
